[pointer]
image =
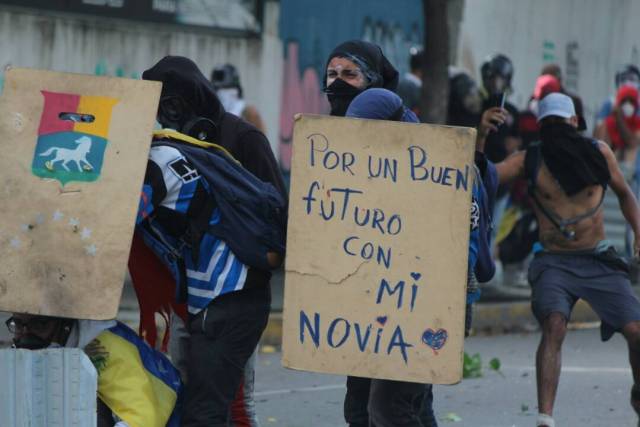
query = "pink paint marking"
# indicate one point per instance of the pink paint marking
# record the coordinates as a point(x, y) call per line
point(298, 96)
point(54, 104)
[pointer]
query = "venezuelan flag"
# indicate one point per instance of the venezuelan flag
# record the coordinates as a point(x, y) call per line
point(72, 136)
point(139, 384)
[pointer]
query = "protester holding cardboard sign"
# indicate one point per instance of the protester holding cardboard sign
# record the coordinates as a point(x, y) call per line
point(367, 293)
point(373, 401)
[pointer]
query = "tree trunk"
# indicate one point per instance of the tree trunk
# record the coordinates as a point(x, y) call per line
point(435, 68)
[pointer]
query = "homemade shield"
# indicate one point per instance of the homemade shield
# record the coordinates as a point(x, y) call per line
point(377, 249)
point(74, 152)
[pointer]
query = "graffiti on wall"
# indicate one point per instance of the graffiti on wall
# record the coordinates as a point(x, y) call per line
point(301, 93)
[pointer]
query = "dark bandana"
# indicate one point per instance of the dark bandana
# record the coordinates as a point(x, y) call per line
point(573, 160)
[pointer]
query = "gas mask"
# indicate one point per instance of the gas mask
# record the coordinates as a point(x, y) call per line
point(175, 113)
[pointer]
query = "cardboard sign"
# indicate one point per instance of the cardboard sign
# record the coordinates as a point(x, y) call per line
point(74, 152)
point(377, 249)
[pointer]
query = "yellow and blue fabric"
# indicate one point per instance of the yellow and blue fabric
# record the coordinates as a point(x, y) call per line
point(139, 384)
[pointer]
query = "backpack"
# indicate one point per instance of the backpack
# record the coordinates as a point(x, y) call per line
point(252, 212)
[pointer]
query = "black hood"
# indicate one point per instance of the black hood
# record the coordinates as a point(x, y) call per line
point(378, 67)
point(180, 76)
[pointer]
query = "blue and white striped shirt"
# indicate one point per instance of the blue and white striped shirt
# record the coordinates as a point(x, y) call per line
point(172, 183)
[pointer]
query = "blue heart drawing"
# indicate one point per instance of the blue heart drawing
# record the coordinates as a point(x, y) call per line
point(435, 339)
point(416, 276)
point(382, 320)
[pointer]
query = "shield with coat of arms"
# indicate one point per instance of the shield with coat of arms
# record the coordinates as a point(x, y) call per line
point(72, 137)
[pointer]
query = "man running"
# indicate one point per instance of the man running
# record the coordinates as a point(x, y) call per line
point(568, 175)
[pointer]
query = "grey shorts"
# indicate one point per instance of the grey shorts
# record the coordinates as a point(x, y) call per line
point(558, 280)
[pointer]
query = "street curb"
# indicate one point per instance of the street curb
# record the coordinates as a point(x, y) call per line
point(488, 318)
point(513, 317)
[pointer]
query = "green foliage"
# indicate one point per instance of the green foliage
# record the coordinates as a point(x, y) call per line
point(451, 417)
point(495, 364)
point(472, 366)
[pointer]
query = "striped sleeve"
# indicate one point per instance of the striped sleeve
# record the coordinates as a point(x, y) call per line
point(170, 181)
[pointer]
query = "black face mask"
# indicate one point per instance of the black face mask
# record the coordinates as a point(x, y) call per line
point(573, 160)
point(340, 94)
point(30, 342)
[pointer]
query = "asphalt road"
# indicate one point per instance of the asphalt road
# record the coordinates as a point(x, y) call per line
point(594, 387)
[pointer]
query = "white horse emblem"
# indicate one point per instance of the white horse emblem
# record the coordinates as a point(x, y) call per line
point(77, 155)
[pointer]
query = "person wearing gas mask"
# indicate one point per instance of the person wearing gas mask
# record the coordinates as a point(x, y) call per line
point(629, 75)
point(567, 176)
point(353, 67)
point(137, 385)
point(621, 128)
point(497, 73)
point(465, 102)
point(226, 81)
point(228, 301)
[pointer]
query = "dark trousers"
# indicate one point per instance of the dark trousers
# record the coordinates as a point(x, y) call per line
point(222, 338)
point(383, 403)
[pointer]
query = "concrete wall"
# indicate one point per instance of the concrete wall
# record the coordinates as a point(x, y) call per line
point(590, 39)
point(93, 45)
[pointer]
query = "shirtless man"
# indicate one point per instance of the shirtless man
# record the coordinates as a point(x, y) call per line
point(567, 177)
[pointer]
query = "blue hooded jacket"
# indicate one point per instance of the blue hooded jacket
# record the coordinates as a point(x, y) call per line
point(382, 104)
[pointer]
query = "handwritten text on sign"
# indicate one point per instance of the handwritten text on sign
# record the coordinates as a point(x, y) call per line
point(371, 205)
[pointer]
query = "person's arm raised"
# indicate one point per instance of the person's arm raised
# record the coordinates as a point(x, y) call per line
point(491, 119)
point(511, 168)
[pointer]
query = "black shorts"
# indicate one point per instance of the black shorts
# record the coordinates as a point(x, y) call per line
point(558, 280)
